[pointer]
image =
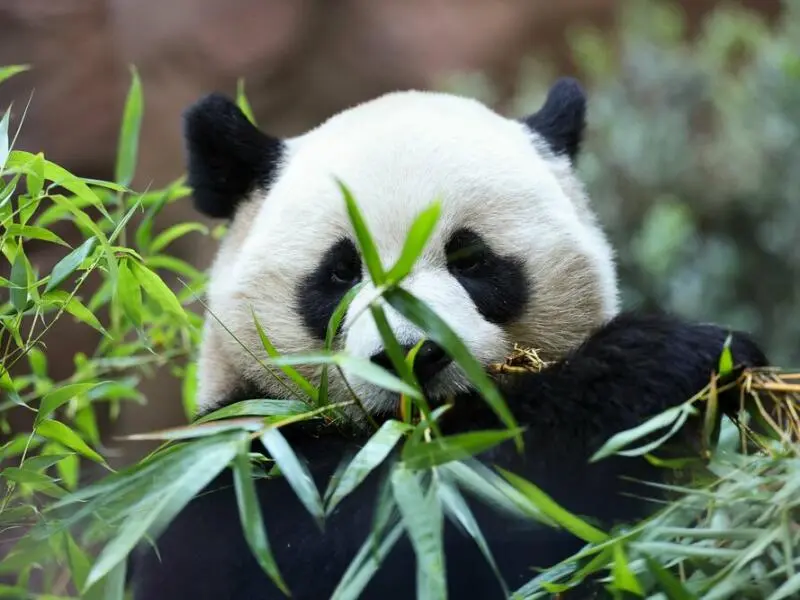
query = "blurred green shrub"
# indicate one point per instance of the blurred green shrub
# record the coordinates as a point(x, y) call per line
point(692, 161)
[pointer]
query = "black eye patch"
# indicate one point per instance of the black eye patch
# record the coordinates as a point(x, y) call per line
point(496, 284)
point(320, 292)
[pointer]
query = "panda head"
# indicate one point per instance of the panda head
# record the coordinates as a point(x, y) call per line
point(516, 256)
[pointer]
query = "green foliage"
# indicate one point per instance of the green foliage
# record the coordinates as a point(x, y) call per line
point(691, 162)
point(731, 536)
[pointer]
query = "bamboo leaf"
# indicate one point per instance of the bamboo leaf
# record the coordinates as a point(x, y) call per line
point(160, 506)
point(165, 238)
point(242, 102)
point(363, 368)
point(34, 178)
point(128, 146)
point(76, 308)
point(19, 281)
point(365, 564)
point(371, 455)
point(725, 365)
point(551, 509)
point(418, 235)
point(369, 251)
point(294, 471)
point(10, 71)
point(333, 328)
point(4, 143)
point(456, 505)
point(256, 408)
point(129, 294)
point(158, 290)
point(300, 381)
point(35, 233)
point(670, 585)
point(621, 574)
point(438, 331)
point(67, 265)
point(252, 521)
point(622, 439)
point(438, 451)
point(60, 396)
point(61, 433)
point(424, 523)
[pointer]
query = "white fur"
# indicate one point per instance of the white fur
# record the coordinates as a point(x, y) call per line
point(397, 154)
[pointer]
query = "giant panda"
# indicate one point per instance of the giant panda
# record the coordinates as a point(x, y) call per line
point(539, 272)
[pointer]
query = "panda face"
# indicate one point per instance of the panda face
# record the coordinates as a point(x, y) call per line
point(515, 257)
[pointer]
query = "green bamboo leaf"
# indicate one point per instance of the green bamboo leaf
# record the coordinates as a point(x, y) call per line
point(35, 233)
point(10, 71)
point(242, 102)
point(34, 178)
point(363, 368)
point(725, 365)
point(129, 136)
point(369, 252)
point(256, 408)
point(366, 564)
point(669, 417)
point(43, 462)
point(173, 264)
point(60, 176)
point(670, 585)
point(158, 290)
point(425, 455)
point(76, 308)
point(455, 504)
point(59, 432)
point(60, 396)
point(551, 509)
point(300, 381)
point(20, 281)
point(4, 144)
point(79, 562)
point(67, 265)
point(392, 346)
point(252, 521)
point(113, 584)
point(438, 331)
point(39, 481)
point(372, 454)
point(621, 574)
point(424, 522)
point(157, 509)
point(418, 235)
point(295, 472)
point(333, 328)
point(186, 432)
point(483, 483)
point(129, 294)
point(166, 237)
point(789, 589)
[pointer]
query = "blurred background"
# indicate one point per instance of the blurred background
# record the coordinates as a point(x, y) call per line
point(692, 156)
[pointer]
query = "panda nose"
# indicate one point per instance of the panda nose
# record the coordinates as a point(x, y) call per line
point(431, 360)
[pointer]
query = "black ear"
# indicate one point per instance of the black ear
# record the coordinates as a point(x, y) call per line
point(562, 119)
point(228, 157)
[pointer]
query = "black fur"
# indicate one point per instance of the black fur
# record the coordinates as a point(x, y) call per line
point(228, 157)
point(562, 119)
point(630, 369)
point(320, 292)
point(496, 284)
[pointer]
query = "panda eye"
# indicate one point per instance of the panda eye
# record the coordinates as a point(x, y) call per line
point(343, 265)
point(466, 253)
point(346, 271)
